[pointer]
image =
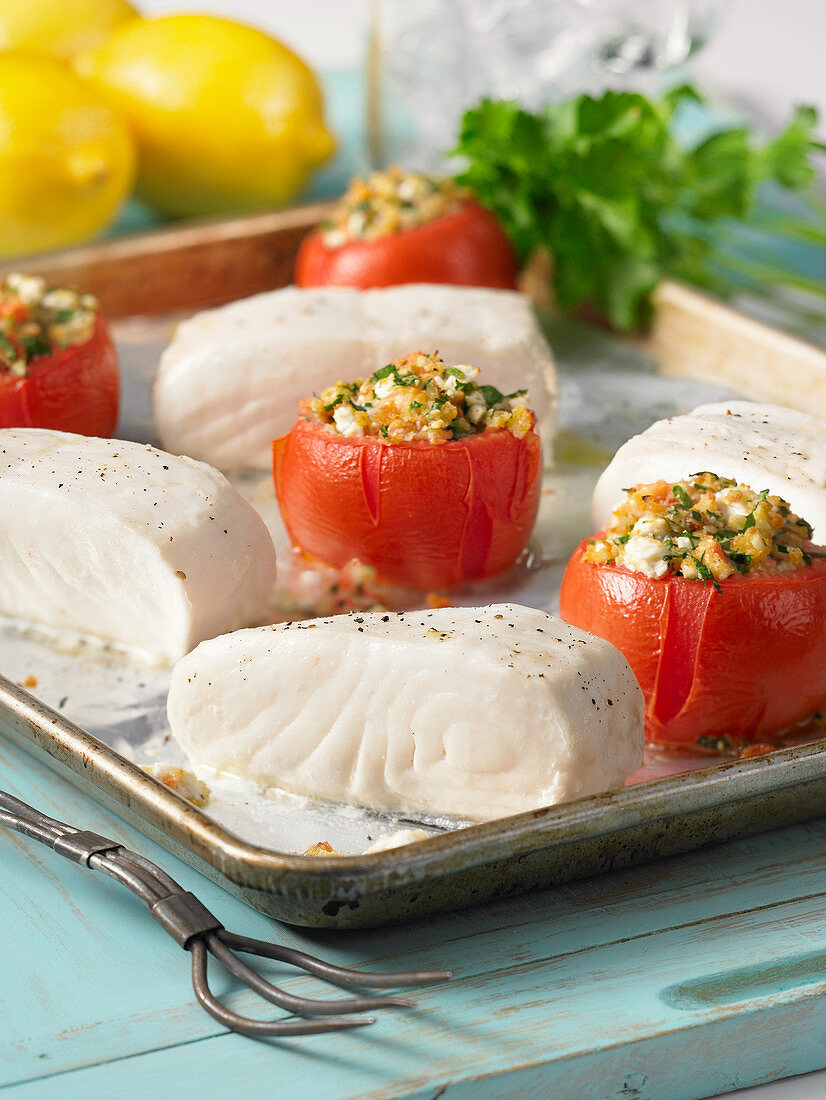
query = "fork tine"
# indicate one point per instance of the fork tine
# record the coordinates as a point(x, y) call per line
point(194, 928)
point(304, 1006)
point(258, 1029)
point(338, 975)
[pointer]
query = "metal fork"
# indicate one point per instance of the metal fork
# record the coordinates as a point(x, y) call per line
point(198, 931)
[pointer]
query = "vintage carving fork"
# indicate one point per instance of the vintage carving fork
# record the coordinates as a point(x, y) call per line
point(192, 926)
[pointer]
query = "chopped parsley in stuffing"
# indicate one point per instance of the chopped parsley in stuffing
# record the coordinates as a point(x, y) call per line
point(705, 527)
point(419, 397)
point(389, 201)
point(37, 320)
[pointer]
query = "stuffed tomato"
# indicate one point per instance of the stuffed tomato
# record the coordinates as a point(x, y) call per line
point(58, 368)
point(416, 471)
point(401, 227)
point(717, 599)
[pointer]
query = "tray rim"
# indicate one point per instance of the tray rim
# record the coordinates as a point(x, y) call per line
point(34, 725)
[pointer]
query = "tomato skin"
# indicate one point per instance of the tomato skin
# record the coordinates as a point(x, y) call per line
point(748, 661)
point(424, 515)
point(467, 248)
point(76, 389)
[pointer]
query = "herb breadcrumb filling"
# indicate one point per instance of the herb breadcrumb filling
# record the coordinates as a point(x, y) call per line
point(419, 397)
point(706, 527)
point(389, 201)
point(37, 320)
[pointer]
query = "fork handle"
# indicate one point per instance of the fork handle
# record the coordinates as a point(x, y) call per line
point(181, 915)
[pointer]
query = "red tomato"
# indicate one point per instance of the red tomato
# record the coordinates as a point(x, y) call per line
point(424, 515)
point(748, 661)
point(467, 248)
point(75, 389)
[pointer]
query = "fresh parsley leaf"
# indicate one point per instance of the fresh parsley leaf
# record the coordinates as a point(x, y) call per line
point(718, 744)
point(704, 573)
point(602, 185)
point(34, 346)
point(7, 348)
point(491, 395)
point(681, 495)
point(742, 562)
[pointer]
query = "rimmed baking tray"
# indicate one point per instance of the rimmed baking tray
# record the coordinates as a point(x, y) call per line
point(182, 269)
point(451, 871)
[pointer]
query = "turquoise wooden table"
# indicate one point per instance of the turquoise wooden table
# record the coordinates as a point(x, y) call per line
point(680, 979)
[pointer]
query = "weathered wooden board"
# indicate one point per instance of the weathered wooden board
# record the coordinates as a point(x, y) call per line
point(201, 263)
point(695, 336)
point(205, 263)
point(679, 979)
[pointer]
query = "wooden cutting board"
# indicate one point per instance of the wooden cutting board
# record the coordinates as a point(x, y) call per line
point(205, 263)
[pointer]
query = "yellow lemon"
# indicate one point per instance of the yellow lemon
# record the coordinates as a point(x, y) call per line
point(66, 160)
point(60, 27)
point(225, 117)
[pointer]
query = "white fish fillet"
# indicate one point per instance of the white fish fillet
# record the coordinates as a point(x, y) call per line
point(125, 542)
point(230, 381)
point(763, 446)
point(471, 712)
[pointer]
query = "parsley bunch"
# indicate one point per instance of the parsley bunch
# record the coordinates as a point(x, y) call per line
point(603, 185)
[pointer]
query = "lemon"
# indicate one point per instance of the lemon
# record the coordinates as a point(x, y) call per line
point(225, 117)
point(66, 160)
point(62, 28)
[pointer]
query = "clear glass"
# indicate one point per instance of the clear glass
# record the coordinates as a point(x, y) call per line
point(429, 60)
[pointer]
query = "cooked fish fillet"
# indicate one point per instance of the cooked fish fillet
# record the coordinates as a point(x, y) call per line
point(763, 446)
point(230, 381)
point(123, 541)
point(471, 712)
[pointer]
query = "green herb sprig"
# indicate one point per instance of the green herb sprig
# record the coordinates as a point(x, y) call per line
point(602, 184)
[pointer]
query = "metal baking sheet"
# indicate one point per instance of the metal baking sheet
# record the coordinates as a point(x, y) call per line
point(98, 714)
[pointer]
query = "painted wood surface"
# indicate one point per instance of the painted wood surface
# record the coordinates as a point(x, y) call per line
point(674, 980)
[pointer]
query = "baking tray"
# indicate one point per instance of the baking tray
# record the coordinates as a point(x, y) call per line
point(609, 391)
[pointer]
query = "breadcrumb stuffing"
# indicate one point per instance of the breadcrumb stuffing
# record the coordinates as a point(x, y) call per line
point(419, 396)
point(322, 848)
point(186, 784)
point(37, 320)
point(388, 202)
point(705, 527)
